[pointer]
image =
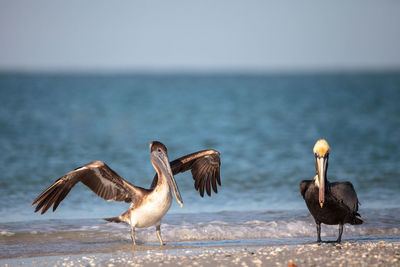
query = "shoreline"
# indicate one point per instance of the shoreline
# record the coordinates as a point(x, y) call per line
point(357, 253)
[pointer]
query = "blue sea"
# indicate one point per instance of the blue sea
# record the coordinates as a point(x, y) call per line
point(264, 127)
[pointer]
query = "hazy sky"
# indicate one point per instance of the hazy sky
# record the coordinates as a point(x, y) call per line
point(176, 35)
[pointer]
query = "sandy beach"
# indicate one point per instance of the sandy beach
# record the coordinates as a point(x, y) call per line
point(380, 253)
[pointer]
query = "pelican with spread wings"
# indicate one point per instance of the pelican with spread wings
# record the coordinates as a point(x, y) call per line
point(148, 205)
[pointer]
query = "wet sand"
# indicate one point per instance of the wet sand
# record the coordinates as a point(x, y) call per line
point(380, 253)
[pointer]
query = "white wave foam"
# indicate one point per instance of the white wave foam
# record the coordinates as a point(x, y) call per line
point(219, 230)
point(221, 226)
point(5, 233)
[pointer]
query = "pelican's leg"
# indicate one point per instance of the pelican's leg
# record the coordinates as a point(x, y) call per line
point(158, 232)
point(133, 235)
point(340, 233)
point(318, 232)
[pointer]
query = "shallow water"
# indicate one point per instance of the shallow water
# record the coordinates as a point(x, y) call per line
point(264, 126)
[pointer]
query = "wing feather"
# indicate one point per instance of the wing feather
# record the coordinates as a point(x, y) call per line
point(214, 182)
point(217, 177)
point(344, 192)
point(204, 166)
point(100, 178)
point(304, 186)
point(62, 194)
point(200, 176)
point(208, 184)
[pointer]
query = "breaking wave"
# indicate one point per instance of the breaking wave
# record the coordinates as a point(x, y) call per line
point(211, 226)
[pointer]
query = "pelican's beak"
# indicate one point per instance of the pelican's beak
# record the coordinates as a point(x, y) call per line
point(321, 168)
point(162, 162)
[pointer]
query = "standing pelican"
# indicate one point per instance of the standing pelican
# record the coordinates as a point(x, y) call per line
point(148, 205)
point(329, 203)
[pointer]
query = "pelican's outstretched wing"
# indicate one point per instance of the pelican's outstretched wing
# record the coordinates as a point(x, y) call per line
point(205, 168)
point(96, 175)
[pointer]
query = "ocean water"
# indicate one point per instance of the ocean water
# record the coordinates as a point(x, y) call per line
point(264, 126)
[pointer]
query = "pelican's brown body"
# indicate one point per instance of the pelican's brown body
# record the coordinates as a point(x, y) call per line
point(329, 203)
point(148, 205)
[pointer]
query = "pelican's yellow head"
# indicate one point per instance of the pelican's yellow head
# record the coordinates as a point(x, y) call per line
point(321, 148)
point(321, 153)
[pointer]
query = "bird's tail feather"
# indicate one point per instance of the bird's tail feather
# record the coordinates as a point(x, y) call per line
point(114, 219)
point(356, 220)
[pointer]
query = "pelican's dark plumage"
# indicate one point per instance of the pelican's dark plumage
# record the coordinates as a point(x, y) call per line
point(329, 203)
point(148, 205)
